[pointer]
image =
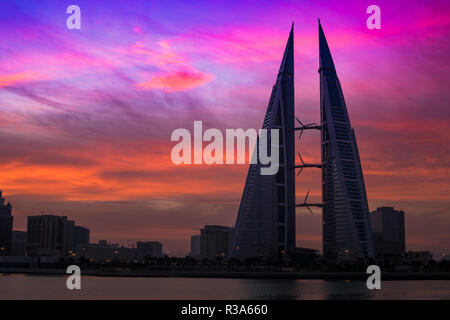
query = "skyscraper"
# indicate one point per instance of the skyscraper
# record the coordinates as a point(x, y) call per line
point(265, 224)
point(215, 241)
point(49, 235)
point(345, 214)
point(6, 226)
point(388, 232)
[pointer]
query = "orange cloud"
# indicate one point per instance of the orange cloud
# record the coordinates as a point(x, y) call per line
point(176, 81)
point(9, 79)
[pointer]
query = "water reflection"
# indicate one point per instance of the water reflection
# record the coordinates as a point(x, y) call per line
point(54, 287)
point(282, 289)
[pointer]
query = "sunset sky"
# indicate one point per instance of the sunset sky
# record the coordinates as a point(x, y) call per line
point(86, 115)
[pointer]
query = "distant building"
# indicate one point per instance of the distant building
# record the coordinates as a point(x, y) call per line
point(388, 227)
point(50, 235)
point(69, 241)
point(81, 236)
point(19, 244)
point(6, 227)
point(103, 251)
point(195, 246)
point(215, 241)
point(303, 256)
point(149, 249)
point(96, 252)
point(125, 253)
point(419, 257)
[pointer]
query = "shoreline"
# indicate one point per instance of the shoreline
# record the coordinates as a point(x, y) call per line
point(236, 274)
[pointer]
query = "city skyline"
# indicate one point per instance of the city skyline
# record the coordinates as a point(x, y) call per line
point(87, 116)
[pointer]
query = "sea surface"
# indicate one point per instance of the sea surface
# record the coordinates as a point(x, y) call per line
point(20, 286)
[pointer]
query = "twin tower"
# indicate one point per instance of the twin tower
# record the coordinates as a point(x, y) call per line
point(265, 225)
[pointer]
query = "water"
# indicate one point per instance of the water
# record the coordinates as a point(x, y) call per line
point(16, 286)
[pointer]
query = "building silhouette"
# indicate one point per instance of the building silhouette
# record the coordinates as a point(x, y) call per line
point(265, 224)
point(81, 235)
point(104, 252)
point(50, 235)
point(195, 246)
point(149, 249)
point(6, 227)
point(19, 246)
point(388, 226)
point(347, 231)
point(215, 241)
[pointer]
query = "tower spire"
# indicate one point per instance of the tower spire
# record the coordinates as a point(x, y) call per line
point(287, 64)
point(325, 59)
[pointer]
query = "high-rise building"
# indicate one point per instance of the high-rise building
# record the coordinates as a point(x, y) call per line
point(215, 241)
point(149, 249)
point(49, 235)
point(19, 245)
point(81, 235)
point(347, 233)
point(69, 241)
point(195, 246)
point(6, 227)
point(388, 226)
point(265, 225)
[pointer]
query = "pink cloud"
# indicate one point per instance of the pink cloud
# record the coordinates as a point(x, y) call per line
point(10, 79)
point(161, 56)
point(176, 81)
